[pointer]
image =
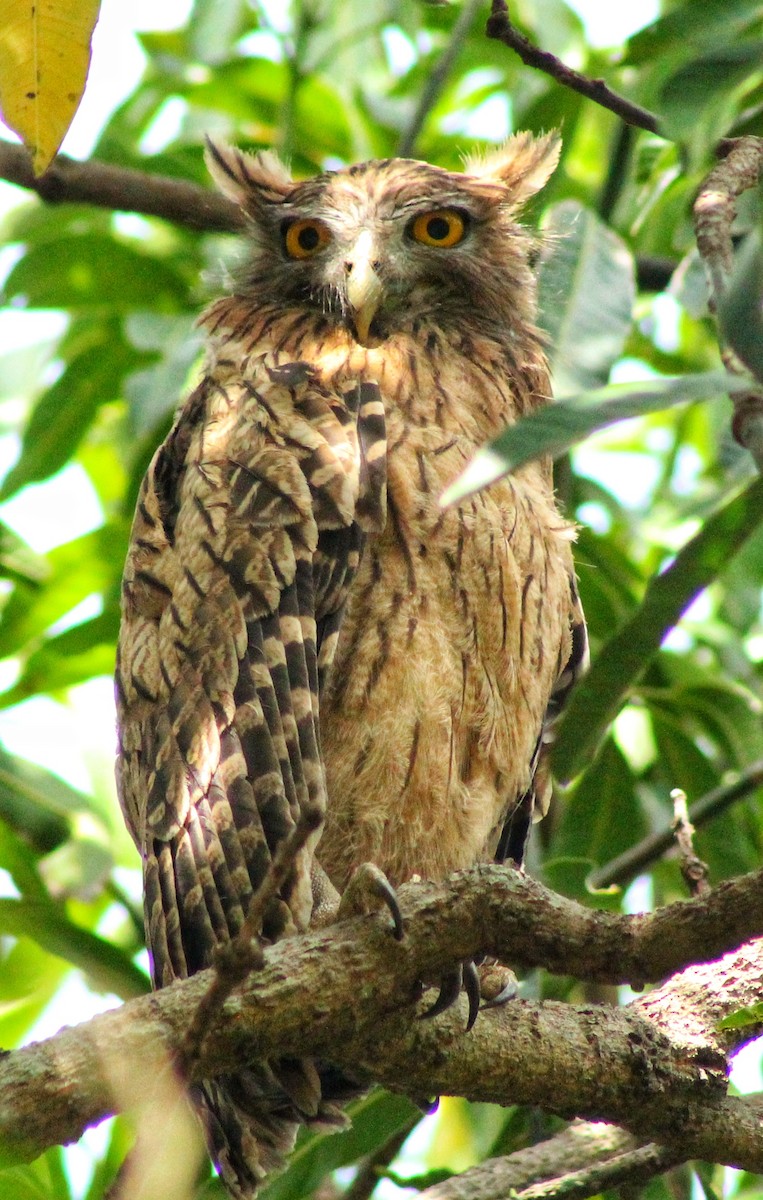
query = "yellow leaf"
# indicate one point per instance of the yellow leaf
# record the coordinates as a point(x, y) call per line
point(44, 60)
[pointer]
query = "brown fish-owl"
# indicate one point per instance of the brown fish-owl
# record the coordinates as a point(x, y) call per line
point(303, 624)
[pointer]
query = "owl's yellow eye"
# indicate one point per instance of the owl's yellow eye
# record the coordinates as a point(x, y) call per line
point(441, 227)
point(305, 238)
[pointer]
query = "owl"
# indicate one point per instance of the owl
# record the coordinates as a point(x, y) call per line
point(304, 626)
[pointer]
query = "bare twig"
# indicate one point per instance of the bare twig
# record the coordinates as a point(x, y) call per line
point(436, 79)
point(584, 1159)
point(67, 181)
point(714, 212)
point(628, 865)
point(238, 958)
point(500, 27)
point(694, 871)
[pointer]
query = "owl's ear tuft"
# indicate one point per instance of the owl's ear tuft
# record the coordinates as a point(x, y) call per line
point(249, 180)
point(522, 164)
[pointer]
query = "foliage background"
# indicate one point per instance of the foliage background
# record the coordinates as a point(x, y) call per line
point(623, 299)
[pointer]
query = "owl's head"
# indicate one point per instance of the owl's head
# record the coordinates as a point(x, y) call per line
point(383, 244)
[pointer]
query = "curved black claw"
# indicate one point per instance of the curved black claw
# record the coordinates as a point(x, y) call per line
point(369, 884)
point(473, 990)
point(465, 976)
point(450, 990)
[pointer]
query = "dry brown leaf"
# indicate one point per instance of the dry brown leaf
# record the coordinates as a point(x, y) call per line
point(44, 60)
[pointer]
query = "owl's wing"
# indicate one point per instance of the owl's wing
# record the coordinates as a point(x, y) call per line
point(248, 531)
point(534, 803)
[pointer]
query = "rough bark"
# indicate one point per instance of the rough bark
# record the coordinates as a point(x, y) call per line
point(349, 993)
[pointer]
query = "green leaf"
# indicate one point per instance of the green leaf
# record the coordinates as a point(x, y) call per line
point(556, 428)
point(69, 658)
point(374, 1119)
point(93, 272)
point(601, 815)
point(686, 27)
point(586, 290)
point(64, 413)
point(702, 85)
point(18, 860)
point(86, 565)
point(107, 968)
point(29, 979)
point(752, 1014)
point(44, 1179)
point(37, 804)
point(739, 312)
point(597, 698)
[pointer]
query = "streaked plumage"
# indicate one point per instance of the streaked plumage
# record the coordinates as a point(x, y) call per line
point(302, 622)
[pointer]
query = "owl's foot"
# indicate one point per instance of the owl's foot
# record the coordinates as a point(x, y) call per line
point(464, 976)
point(367, 889)
point(498, 984)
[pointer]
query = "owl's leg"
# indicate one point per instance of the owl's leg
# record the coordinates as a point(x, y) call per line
point(367, 889)
point(498, 983)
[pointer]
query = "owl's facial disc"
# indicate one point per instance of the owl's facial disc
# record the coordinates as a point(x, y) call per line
point(363, 287)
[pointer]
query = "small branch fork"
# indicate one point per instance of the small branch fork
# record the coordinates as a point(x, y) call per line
point(694, 871)
point(499, 26)
point(630, 863)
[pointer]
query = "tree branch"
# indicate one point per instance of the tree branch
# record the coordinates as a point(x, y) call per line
point(346, 994)
point(583, 1160)
point(500, 27)
point(67, 181)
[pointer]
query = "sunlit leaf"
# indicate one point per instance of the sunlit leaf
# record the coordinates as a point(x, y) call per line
point(78, 569)
point(108, 969)
point(92, 272)
point(66, 410)
point(44, 60)
point(556, 428)
point(37, 802)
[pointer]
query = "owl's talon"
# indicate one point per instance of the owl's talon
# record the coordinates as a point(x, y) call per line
point(464, 976)
point(367, 887)
point(473, 990)
point(450, 990)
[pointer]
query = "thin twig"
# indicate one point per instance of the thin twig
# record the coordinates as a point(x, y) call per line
point(627, 866)
point(437, 77)
point(500, 27)
point(67, 181)
point(238, 958)
point(694, 871)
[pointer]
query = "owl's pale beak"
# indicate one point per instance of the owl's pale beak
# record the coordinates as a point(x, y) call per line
point(364, 287)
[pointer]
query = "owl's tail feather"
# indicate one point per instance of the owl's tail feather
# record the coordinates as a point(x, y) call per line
point(251, 1119)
